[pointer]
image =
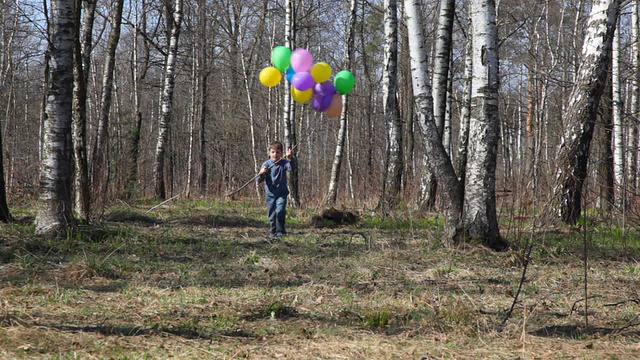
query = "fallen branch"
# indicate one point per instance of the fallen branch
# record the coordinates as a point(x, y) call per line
point(246, 184)
point(637, 301)
point(527, 258)
point(162, 203)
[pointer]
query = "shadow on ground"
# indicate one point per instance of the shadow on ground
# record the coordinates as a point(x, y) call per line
point(577, 332)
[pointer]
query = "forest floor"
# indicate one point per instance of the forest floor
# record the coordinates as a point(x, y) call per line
point(196, 280)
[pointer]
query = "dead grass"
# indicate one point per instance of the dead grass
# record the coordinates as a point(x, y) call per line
point(194, 281)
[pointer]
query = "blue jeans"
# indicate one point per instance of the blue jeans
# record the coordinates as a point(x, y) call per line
point(277, 211)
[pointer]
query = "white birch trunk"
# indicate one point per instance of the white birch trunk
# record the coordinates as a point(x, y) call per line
point(394, 157)
point(618, 127)
point(100, 169)
point(573, 153)
point(167, 100)
point(79, 126)
point(136, 76)
point(54, 215)
point(438, 158)
point(289, 108)
point(463, 135)
point(442, 60)
point(480, 219)
point(337, 159)
point(195, 85)
point(633, 166)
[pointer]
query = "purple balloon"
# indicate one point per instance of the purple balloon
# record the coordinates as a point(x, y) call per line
point(325, 88)
point(302, 81)
point(321, 102)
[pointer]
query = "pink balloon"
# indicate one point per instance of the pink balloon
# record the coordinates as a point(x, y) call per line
point(335, 108)
point(301, 60)
point(302, 81)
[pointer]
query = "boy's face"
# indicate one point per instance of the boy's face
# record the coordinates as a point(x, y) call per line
point(275, 154)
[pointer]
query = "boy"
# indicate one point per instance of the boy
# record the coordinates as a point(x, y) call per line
point(273, 173)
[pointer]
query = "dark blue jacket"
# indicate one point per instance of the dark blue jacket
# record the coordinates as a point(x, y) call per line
point(275, 179)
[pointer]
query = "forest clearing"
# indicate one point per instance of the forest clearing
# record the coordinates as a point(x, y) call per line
point(194, 279)
point(487, 151)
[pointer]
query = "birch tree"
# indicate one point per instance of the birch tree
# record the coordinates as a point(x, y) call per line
point(618, 127)
point(7, 43)
point(580, 117)
point(633, 132)
point(288, 120)
point(422, 93)
point(480, 220)
point(337, 159)
point(441, 64)
point(54, 213)
point(81, 61)
point(460, 226)
point(394, 156)
point(99, 163)
point(174, 23)
point(139, 66)
point(463, 132)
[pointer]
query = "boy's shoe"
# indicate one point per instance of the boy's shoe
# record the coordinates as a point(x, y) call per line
point(279, 235)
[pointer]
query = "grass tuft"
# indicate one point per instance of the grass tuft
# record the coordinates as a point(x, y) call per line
point(197, 279)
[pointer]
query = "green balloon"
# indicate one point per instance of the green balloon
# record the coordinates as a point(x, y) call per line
point(344, 81)
point(281, 57)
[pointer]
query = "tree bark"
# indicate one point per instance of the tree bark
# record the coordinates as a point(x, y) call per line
point(394, 154)
point(175, 22)
point(465, 112)
point(99, 160)
point(605, 156)
point(337, 159)
point(6, 73)
point(439, 159)
point(480, 218)
point(139, 67)
point(289, 110)
point(617, 126)
point(573, 153)
point(81, 176)
point(54, 214)
point(631, 180)
point(441, 64)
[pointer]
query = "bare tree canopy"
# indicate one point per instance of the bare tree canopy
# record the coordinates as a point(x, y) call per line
point(166, 102)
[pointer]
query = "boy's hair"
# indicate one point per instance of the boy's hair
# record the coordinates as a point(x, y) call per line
point(276, 145)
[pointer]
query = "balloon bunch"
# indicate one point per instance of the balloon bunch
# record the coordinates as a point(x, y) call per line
point(308, 81)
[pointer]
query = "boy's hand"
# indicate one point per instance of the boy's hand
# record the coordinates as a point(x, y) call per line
point(263, 170)
point(289, 153)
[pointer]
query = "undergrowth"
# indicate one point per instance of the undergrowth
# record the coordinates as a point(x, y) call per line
point(200, 279)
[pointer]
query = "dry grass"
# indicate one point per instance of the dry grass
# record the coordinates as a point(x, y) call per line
point(201, 281)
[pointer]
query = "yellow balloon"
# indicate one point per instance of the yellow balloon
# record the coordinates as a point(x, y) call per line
point(321, 72)
point(301, 96)
point(270, 76)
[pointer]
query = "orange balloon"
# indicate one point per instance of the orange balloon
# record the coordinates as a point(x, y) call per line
point(335, 108)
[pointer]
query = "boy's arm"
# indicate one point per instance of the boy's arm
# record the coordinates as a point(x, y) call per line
point(263, 170)
point(292, 160)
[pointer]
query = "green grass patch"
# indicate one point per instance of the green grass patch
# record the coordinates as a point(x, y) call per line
point(199, 279)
